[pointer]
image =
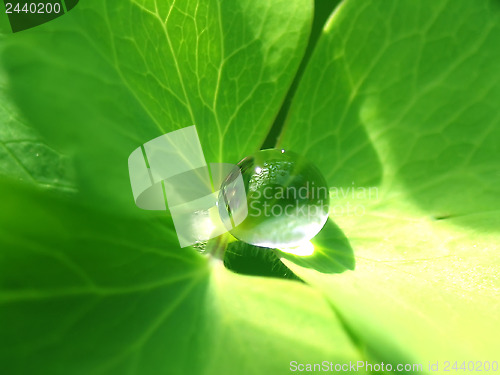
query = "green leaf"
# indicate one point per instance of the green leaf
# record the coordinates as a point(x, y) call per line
point(90, 284)
point(23, 154)
point(399, 109)
point(96, 294)
point(106, 78)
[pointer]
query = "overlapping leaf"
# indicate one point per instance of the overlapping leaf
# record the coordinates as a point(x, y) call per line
point(402, 97)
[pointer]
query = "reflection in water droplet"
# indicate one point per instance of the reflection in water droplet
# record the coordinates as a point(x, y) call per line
point(286, 200)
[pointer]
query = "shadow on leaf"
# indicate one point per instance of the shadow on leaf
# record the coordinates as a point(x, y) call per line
point(247, 259)
point(332, 252)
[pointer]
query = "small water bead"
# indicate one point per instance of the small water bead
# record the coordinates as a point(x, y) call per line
point(286, 203)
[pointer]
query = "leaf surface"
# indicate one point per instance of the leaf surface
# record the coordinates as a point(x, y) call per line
point(90, 284)
point(398, 107)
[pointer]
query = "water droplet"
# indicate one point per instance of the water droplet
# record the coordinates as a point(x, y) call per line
point(286, 200)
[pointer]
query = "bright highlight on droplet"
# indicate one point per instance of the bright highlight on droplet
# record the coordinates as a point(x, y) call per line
point(303, 250)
